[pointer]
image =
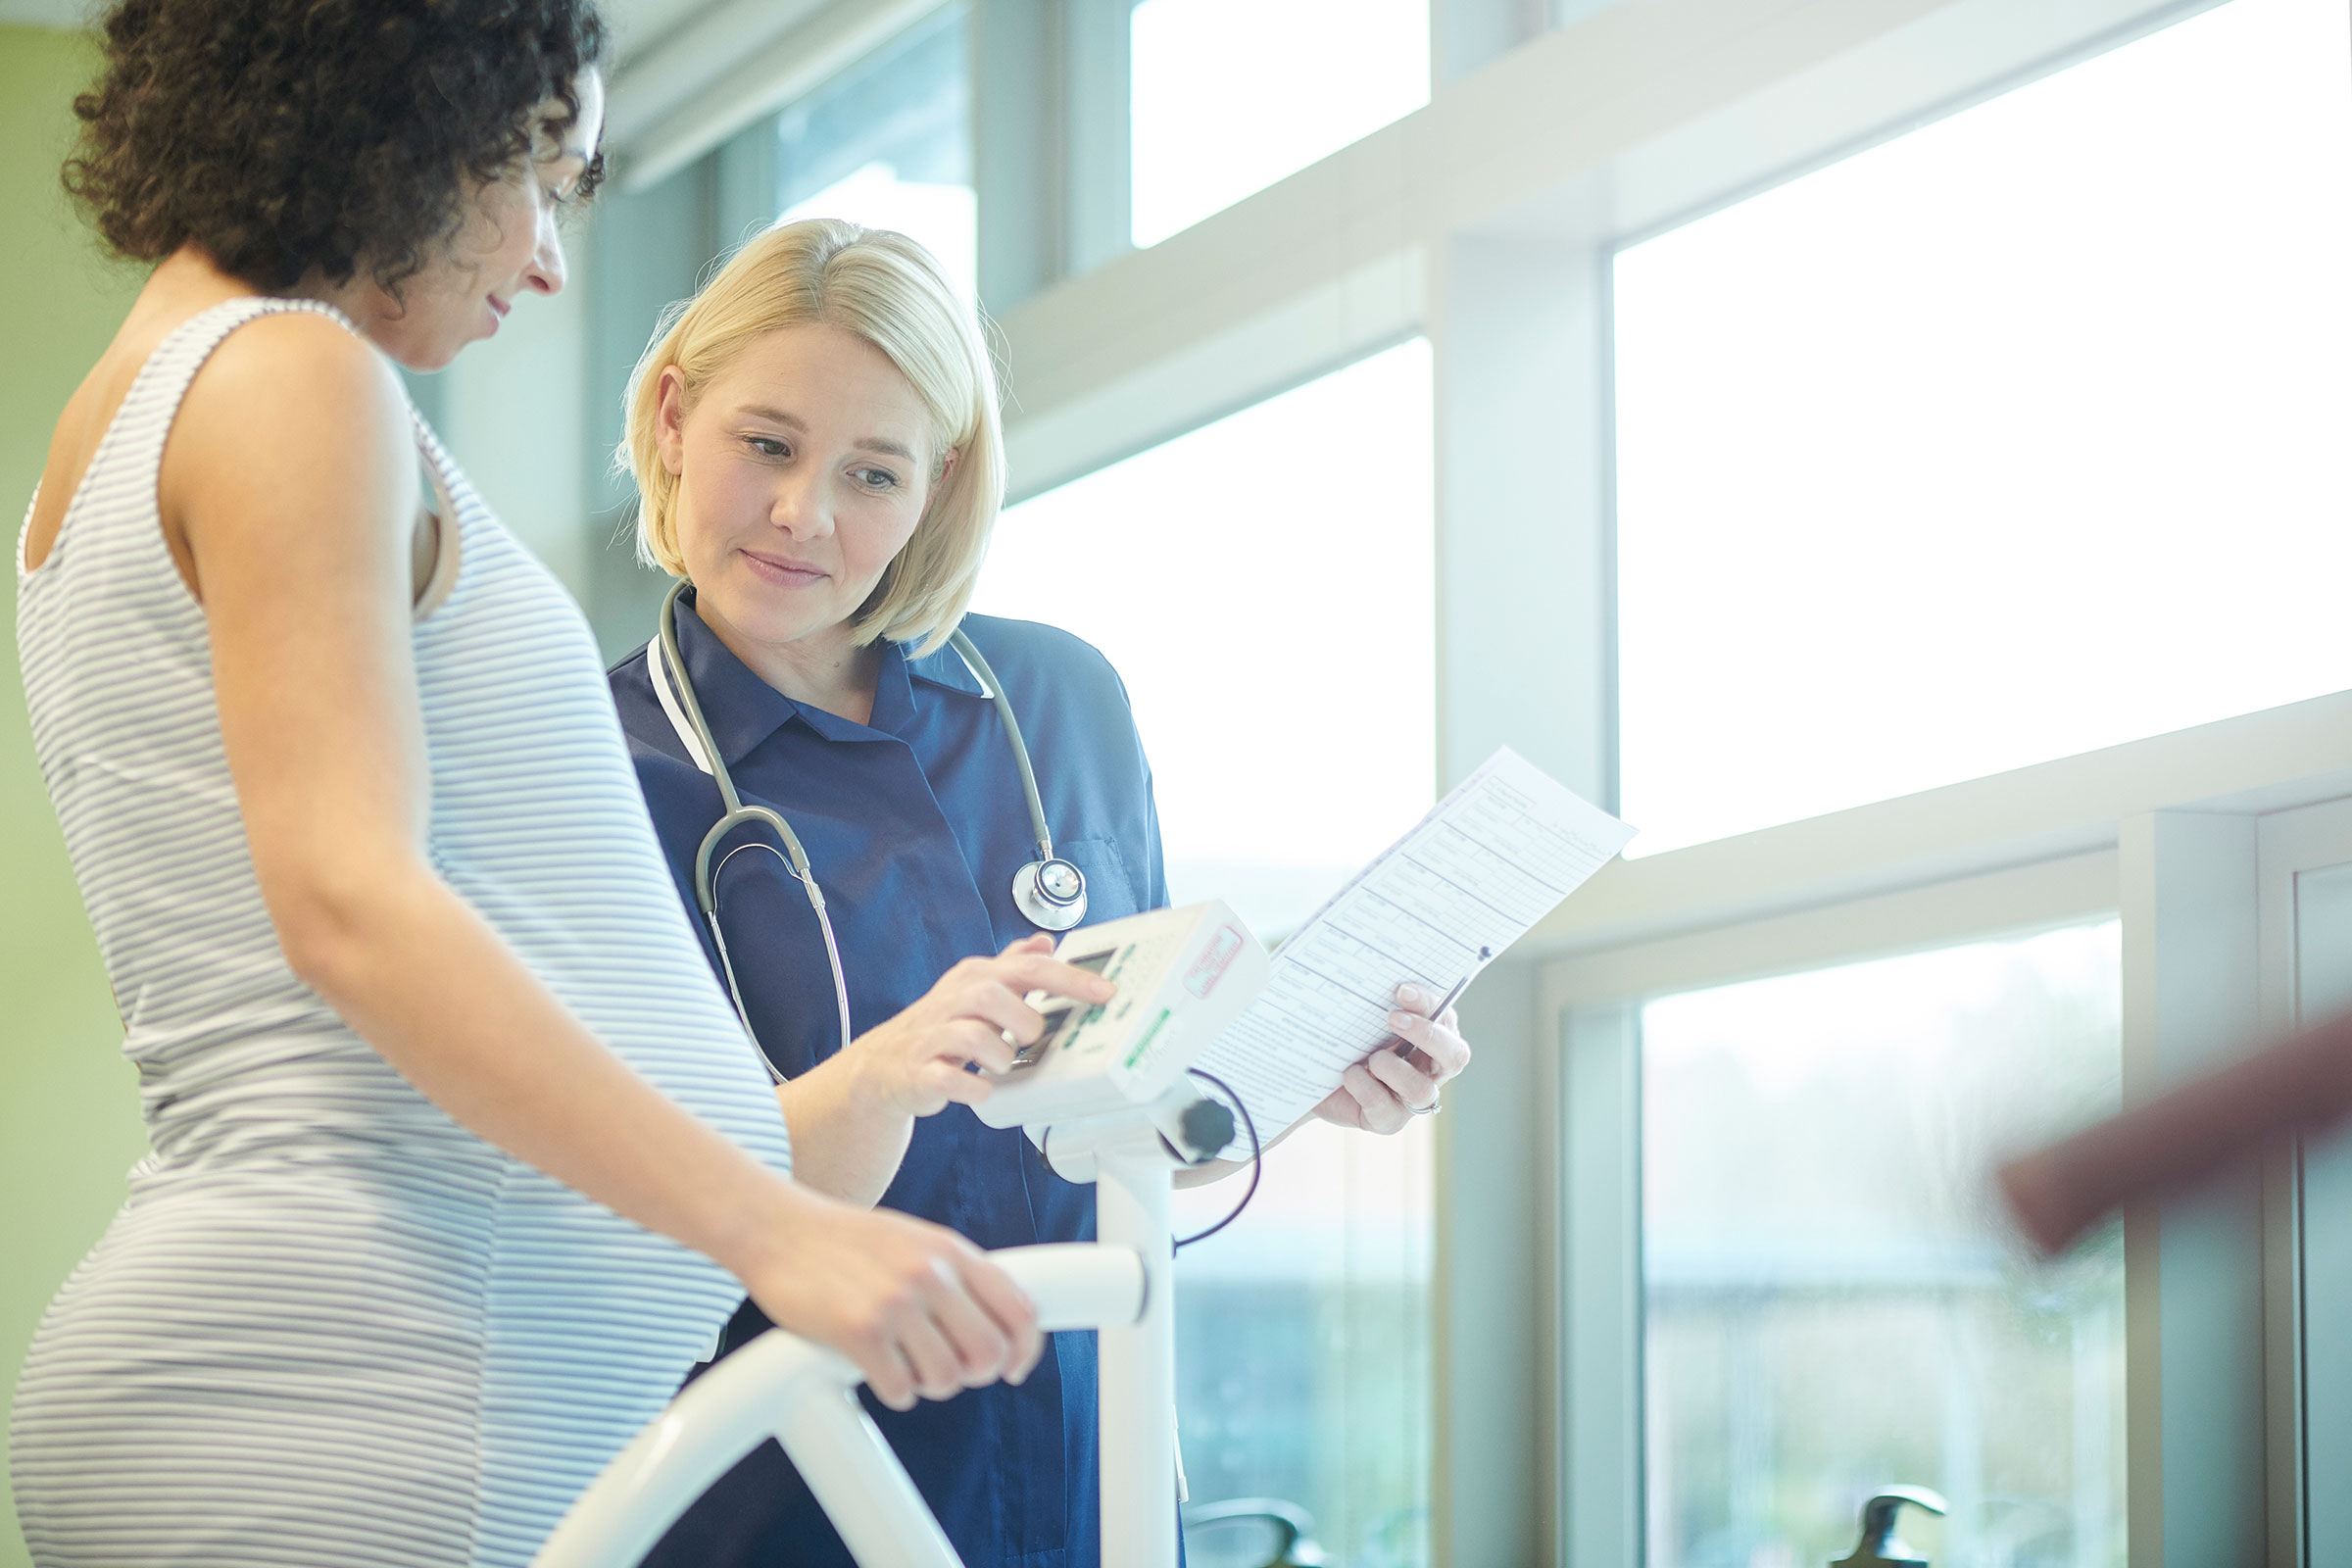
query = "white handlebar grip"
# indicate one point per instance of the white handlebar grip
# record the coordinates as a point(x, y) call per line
point(1077, 1285)
point(783, 1387)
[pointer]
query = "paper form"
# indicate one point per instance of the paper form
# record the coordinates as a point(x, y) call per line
point(1488, 861)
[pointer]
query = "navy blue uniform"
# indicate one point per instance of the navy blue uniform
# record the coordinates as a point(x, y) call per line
point(914, 824)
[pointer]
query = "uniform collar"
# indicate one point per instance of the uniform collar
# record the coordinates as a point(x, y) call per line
point(743, 710)
point(947, 669)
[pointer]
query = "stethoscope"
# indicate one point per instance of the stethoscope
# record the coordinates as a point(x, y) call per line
point(1050, 892)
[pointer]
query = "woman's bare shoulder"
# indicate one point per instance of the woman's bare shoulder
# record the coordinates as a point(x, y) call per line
point(296, 365)
point(298, 396)
point(292, 424)
point(276, 378)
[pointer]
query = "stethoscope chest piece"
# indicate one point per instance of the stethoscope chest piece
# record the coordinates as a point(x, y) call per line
point(1050, 894)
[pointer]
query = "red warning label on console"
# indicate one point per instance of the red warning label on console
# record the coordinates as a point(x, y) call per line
point(1215, 960)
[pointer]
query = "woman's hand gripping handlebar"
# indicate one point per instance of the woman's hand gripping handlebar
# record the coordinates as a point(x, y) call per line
point(785, 1387)
point(919, 1310)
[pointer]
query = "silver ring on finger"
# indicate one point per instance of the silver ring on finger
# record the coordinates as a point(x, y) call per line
point(1431, 1109)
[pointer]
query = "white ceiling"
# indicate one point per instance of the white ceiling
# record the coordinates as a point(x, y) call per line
point(637, 24)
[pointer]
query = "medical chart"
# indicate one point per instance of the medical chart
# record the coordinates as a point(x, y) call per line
point(1488, 861)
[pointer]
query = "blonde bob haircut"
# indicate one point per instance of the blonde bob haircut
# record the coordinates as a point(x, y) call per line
point(882, 287)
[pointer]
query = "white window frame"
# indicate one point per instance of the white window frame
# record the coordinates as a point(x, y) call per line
point(2186, 838)
point(2308, 1235)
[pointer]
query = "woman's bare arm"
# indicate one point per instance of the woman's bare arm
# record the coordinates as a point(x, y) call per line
point(2301, 1085)
point(292, 479)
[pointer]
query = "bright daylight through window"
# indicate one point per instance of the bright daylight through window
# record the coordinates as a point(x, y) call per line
point(889, 144)
point(1828, 1305)
point(1263, 586)
point(1216, 120)
point(1992, 444)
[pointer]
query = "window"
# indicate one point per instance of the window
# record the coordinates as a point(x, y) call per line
point(1994, 443)
point(1214, 121)
point(889, 146)
point(1302, 1346)
point(1263, 586)
point(1828, 1307)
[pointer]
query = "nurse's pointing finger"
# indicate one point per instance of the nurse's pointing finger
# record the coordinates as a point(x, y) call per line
point(1042, 972)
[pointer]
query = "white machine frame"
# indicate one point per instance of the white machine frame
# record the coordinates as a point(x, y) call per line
point(804, 1396)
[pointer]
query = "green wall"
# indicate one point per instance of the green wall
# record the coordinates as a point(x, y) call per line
point(69, 1103)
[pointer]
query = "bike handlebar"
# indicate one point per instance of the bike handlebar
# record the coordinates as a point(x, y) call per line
point(802, 1395)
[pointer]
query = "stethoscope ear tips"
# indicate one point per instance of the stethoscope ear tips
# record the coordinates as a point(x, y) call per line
point(1050, 894)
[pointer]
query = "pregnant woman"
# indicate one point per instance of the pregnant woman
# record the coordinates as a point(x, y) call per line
point(456, 1141)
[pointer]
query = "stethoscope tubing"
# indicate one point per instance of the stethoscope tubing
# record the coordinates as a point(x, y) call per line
point(675, 687)
point(1012, 732)
point(705, 875)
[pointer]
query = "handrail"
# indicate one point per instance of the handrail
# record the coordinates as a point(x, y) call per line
point(803, 1395)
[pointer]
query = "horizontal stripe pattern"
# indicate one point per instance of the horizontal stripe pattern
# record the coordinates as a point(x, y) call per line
point(329, 1325)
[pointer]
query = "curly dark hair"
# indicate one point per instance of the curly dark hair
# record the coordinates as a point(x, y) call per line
point(287, 136)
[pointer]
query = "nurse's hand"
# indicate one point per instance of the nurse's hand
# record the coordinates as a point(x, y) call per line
point(1390, 1087)
point(853, 1116)
point(920, 1310)
point(916, 1061)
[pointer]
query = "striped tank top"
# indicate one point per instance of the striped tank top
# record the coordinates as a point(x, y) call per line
point(330, 1325)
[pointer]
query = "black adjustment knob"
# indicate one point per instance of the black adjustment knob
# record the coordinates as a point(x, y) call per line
point(1207, 1128)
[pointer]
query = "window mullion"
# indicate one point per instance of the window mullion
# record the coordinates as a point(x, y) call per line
point(1600, 1388)
point(1050, 85)
point(2194, 1316)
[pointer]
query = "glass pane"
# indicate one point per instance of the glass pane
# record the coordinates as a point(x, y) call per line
point(1222, 574)
point(2015, 437)
point(1216, 121)
point(1263, 586)
point(889, 144)
point(1830, 1305)
point(1302, 1346)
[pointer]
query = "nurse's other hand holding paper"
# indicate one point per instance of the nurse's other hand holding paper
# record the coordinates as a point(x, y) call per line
point(1386, 1090)
point(1389, 1088)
